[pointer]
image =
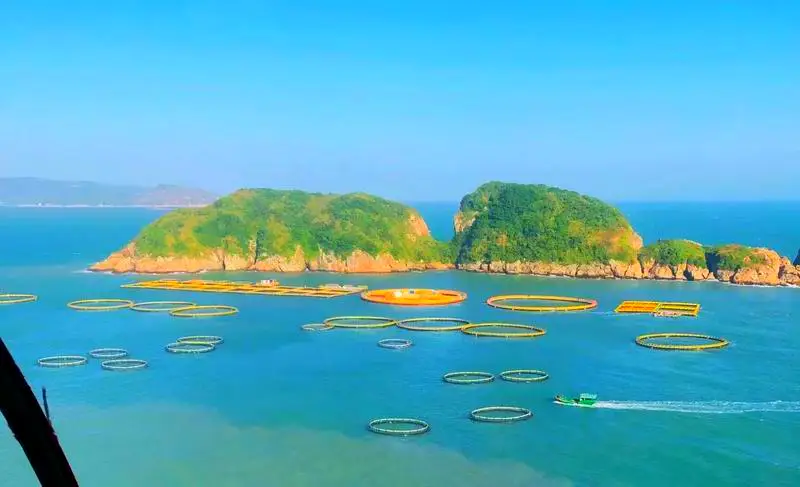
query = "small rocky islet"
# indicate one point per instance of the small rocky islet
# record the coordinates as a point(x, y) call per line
point(500, 227)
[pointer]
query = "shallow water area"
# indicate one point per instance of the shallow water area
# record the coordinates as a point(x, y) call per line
point(276, 405)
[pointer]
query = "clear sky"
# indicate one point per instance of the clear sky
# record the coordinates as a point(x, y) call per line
point(415, 100)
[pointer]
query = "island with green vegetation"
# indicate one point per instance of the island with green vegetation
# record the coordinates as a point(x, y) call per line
point(537, 229)
point(540, 230)
point(37, 192)
point(287, 231)
point(500, 227)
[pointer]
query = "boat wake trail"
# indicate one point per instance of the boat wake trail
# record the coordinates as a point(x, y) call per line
point(704, 407)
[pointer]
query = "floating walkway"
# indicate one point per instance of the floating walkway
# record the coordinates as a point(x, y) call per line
point(659, 308)
point(239, 287)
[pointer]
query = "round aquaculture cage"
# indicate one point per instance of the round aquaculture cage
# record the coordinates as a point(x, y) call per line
point(100, 304)
point(108, 353)
point(500, 414)
point(468, 378)
point(399, 426)
point(572, 304)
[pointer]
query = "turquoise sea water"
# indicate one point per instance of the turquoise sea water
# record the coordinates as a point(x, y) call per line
point(278, 406)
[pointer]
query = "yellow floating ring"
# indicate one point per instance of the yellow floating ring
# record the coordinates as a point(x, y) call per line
point(108, 353)
point(317, 327)
point(16, 298)
point(124, 364)
point(406, 324)
point(468, 378)
point(581, 304)
point(532, 333)
point(715, 342)
point(100, 304)
point(348, 322)
point(208, 311)
point(480, 414)
point(418, 426)
point(62, 361)
point(201, 339)
point(524, 375)
point(160, 306)
point(414, 297)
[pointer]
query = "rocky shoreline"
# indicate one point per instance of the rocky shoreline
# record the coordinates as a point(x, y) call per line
point(777, 272)
point(774, 271)
point(127, 261)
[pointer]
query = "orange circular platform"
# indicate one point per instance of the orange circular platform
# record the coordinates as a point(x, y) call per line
point(414, 297)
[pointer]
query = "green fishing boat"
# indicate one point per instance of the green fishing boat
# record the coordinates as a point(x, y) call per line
point(584, 400)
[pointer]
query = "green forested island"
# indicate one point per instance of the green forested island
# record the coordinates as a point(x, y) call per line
point(269, 229)
point(500, 227)
point(266, 222)
point(523, 222)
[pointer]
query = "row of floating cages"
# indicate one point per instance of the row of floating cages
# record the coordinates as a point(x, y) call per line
point(264, 287)
point(637, 307)
point(659, 308)
point(678, 309)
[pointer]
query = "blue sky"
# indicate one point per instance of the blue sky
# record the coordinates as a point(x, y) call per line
point(415, 100)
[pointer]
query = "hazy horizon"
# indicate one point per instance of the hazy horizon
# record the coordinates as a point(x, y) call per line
point(412, 201)
point(630, 102)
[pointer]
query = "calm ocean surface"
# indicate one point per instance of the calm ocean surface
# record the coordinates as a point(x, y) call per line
point(276, 406)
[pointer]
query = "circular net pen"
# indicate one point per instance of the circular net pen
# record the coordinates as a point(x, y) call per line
point(201, 339)
point(360, 322)
point(58, 361)
point(206, 311)
point(502, 330)
point(652, 340)
point(395, 343)
point(189, 348)
point(8, 298)
point(524, 375)
point(160, 306)
point(316, 327)
point(108, 353)
point(414, 297)
point(441, 324)
point(521, 302)
point(100, 304)
point(125, 364)
point(399, 426)
point(468, 378)
point(500, 414)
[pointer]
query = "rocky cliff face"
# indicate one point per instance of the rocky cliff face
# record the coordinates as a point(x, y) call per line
point(765, 273)
point(418, 227)
point(463, 220)
point(127, 261)
point(789, 274)
point(774, 271)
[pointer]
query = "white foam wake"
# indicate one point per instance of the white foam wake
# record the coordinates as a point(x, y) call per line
point(704, 407)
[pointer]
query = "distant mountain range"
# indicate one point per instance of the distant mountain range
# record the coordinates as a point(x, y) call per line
point(46, 192)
